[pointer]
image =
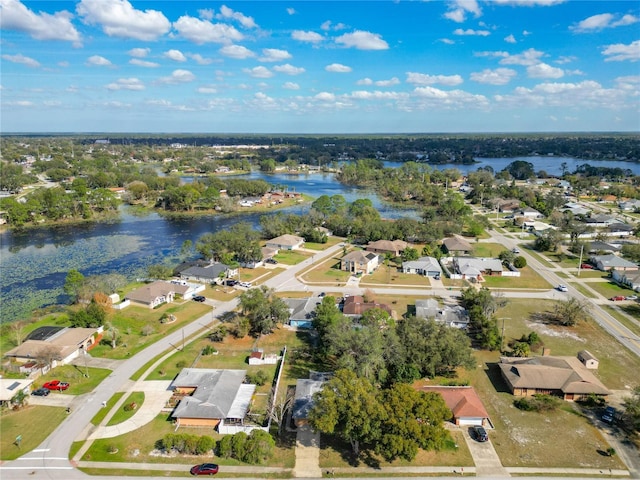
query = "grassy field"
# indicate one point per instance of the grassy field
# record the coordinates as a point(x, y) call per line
point(138, 447)
point(610, 289)
point(528, 279)
point(291, 257)
point(34, 423)
point(79, 383)
point(331, 241)
point(327, 271)
point(490, 250)
point(122, 414)
point(390, 275)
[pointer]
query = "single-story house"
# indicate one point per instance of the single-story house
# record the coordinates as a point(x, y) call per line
point(456, 245)
point(392, 247)
point(65, 342)
point(9, 388)
point(464, 403)
point(529, 212)
point(211, 398)
point(427, 266)
point(427, 308)
point(155, 294)
point(212, 273)
point(576, 209)
point(452, 316)
point(566, 377)
point(360, 261)
point(628, 279)
point(324, 230)
point(601, 247)
point(476, 268)
point(509, 206)
point(286, 242)
point(303, 399)
point(355, 306)
point(302, 311)
point(629, 205)
point(609, 262)
point(599, 221)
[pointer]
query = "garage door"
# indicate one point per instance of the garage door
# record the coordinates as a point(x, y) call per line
point(470, 421)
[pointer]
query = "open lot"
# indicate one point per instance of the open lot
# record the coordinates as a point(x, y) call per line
point(34, 423)
point(390, 275)
point(326, 272)
point(528, 279)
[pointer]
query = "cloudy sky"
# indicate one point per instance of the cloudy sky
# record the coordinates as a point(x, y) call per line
point(319, 66)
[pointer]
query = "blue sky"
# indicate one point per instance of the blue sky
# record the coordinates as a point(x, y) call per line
point(320, 66)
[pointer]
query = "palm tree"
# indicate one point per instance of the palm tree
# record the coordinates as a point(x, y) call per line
point(113, 333)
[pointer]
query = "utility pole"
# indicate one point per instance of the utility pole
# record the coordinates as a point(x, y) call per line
point(502, 336)
point(580, 261)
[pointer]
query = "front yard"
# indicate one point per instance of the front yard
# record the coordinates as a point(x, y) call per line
point(34, 423)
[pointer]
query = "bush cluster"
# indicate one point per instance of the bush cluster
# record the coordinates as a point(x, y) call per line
point(537, 403)
point(186, 443)
point(208, 350)
point(258, 378)
point(255, 448)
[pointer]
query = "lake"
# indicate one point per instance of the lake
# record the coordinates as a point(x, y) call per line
point(34, 264)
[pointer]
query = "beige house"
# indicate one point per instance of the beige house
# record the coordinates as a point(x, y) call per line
point(394, 248)
point(566, 377)
point(156, 293)
point(286, 242)
point(360, 261)
point(456, 245)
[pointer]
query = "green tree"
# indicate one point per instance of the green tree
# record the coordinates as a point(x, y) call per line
point(571, 311)
point(263, 309)
point(631, 415)
point(258, 448)
point(159, 271)
point(348, 407)
point(73, 284)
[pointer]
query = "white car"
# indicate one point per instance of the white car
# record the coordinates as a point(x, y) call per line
point(245, 284)
point(562, 288)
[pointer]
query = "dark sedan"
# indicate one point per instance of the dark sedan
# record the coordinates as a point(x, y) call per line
point(204, 469)
point(480, 434)
point(199, 298)
point(40, 392)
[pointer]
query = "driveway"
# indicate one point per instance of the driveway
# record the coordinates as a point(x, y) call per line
point(484, 456)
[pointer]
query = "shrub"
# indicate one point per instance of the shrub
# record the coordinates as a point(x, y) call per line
point(224, 448)
point(204, 445)
point(258, 447)
point(208, 350)
point(181, 364)
point(186, 443)
point(238, 441)
point(537, 403)
point(259, 378)
point(219, 334)
point(520, 262)
point(130, 406)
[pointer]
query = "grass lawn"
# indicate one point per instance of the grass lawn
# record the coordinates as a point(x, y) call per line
point(582, 289)
point(490, 250)
point(335, 454)
point(137, 447)
point(618, 366)
point(327, 271)
point(98, 417)
point(609, 289)
point(528, 279)
point(390, 275)
point(584, 273)
point(291, 257)
point(131, 321)
point(331, 241)
point(540, 258)
point(34, 423)
point(76, 376)
point(531, 439)
point(122, 415)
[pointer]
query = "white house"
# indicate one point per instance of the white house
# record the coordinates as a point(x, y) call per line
point(427, 266)
point(286, 242)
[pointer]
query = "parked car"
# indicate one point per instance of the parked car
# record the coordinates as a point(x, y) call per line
point(609, 415)
point(245, 284)
point(479, 433)
point(56, 385)
point(271, 261)
point(515, 250)
point(562, 288)
point(617, 298)
point(40, 392)
point(586, 266)
point(232, 283)
point(199, 298)
point(204, 469)
point(631, 297)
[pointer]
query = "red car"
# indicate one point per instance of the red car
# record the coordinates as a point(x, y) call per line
point(204, 469)
point(56, 385)
point(586, 266)
point(617, 298)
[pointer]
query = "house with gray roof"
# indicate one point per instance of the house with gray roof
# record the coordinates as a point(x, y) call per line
point(427, 266)
point(630, 279)
point(212, 273)
point(610, 262)
point(155, 294)
point(302, 311)
point(629, 205)
point(211, 398)
point(477, 267)
point(451, 315)
point(303, 400)
point(456, 245)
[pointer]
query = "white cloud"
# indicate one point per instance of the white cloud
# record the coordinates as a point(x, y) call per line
point(274, 55)
point(291, 86)
point(139, 52)
point(207, 89)
point(375, 95)
point(175, 55)
point(362, 41)
point(289, 69)
point(258, 72)
point(565, 59)
point(236, 51)
point(469, 31)
point(387, 83)
point(118, 18)
point(126, 84)
point(510, 39)
point(526, 58)
point(306, 36)
point(458, 10)
point(543, 70)
point(199, 59)
point(177, 77)
point(602, 21)
point(528, 3)
point(20, 103)
point(143, 63)
point(227, 13)
point(499, 76)
point(451, 99)
point(203, 31)
point(447, 41)
point(337, 68)
point(19, 58)
point(63, 63)
point(425, 79)
point(41, 26)
point(325, 97)
point(619, 52)
point(364, 81)
point(98, 61)
point(206, 13)
point(328, 25)
point(291, 11)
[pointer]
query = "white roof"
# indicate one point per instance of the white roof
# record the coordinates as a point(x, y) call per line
point(10, 386)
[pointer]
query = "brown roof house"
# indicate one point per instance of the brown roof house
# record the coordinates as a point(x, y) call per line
point(360, 261)
point(392, 247)
point(286, 242)
point(456, 245)
point(212, 398)
point(155, 294)
point(355, 306)
point(464, 403)
point(566, 377)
